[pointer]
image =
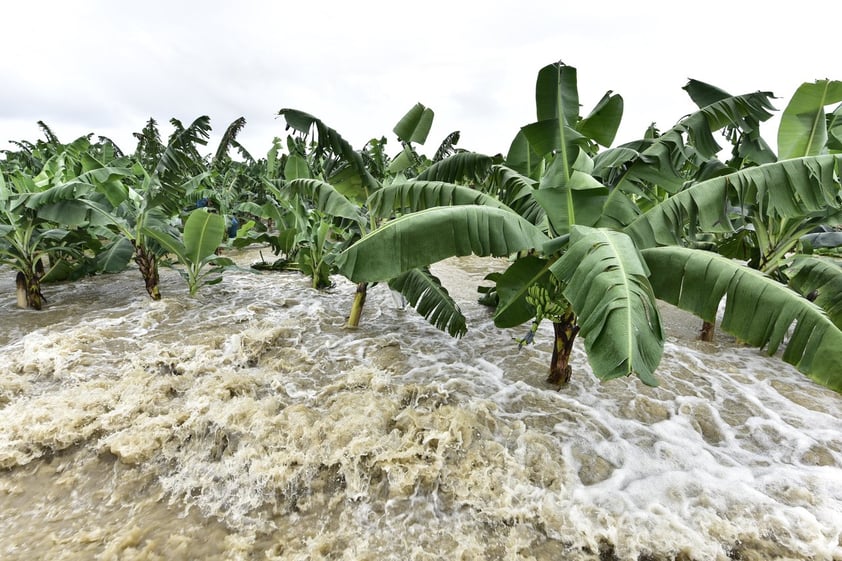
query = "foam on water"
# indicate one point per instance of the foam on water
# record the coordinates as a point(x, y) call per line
point(248, 424)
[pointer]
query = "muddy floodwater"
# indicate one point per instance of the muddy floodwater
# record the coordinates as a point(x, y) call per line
point(248, 424)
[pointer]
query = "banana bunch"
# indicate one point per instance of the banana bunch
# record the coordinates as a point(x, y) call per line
point(549, 303)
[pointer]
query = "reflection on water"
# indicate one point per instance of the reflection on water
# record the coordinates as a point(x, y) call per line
point(248, 423)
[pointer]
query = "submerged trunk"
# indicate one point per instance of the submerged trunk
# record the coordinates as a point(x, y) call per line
point(28, 288)
point(707, 332)
point(21, 290)
point(148, 265)
point(357, 306)
point(565, 333)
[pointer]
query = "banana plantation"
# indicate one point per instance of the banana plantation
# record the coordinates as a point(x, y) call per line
point(706, 216)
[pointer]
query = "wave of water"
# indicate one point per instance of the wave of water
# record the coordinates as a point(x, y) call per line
point(248, 423)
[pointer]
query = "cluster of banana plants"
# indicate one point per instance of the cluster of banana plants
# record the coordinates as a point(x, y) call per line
point(595, 234)
point(85, 208)
point(328, 196)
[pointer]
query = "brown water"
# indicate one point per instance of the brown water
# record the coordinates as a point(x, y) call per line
point(248, 424)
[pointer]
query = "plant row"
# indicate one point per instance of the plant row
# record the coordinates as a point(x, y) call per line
point(705, 215)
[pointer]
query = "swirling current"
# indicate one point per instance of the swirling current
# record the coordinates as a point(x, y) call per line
point(249, 424)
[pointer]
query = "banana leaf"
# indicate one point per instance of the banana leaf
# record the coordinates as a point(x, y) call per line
point(512, 286)
point(606, 282)
point(424, 292)
point(468, 167)
point(759, 310)
point(410, 196)
point(415, 125)
point(116, 256)
point(821, 278)
point(803, 130)
point(325, 198)
point(787, 188)
point(426, 237)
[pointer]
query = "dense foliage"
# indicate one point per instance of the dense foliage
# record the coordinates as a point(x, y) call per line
point(595, 234)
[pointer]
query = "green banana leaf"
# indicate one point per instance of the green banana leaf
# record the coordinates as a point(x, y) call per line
point(570, 195)
point(834, 131)
point(325, 198)
point(758, 309)
point(606, 282)
point(203, 232)
point(787, 188)
point(425, 293)
point(522, 156)
point(803, 130)
point(410, 196)
point(116, 256)
point(415, 125)
point(603, 122)
point(662, 161)
point(296, 168)
point(517, 191)
point(426, 237)
point(557, 94)
point(512, 287)
point(821, 276)
point(330, 139)
point(469, 167)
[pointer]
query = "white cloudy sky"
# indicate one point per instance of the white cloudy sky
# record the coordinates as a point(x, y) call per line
point(107, 66)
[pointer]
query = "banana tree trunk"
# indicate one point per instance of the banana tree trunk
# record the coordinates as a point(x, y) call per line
point(565, 334)
point(357, 306)
point(708, 331)
point(148, 265)
point(21, 291)
point(28, 287)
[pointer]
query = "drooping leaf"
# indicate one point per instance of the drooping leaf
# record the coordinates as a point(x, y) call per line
point(422, 238)
point(228, 139)
point(469, 167)
point(663, 161)
point(410, 196)
point(325, 198)
point(820, 278)
point(330, 140)
point(447, 147)
point(517, 191)
point(116, 256)
point(167, 241)
point(787, 188)
point(759, 310)
point(425, 293)
point(606, 282)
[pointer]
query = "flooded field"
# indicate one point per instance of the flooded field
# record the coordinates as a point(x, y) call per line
point(248, 423)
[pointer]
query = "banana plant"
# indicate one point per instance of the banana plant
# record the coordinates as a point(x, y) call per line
point(150, 196)
point(573, 265)
point(336, 183)
point(196, 251)
point(32, 231)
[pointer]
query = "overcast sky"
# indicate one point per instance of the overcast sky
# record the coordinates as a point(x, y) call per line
point(108, 66)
